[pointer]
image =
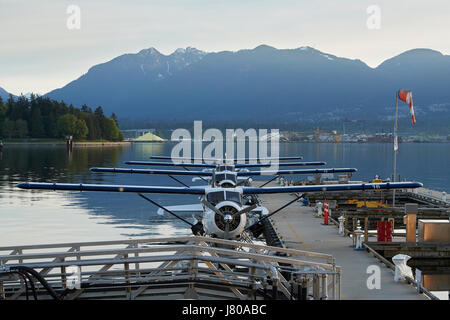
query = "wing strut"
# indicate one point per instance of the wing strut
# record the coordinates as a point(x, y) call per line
point(197, 229)
point(180, 182)
point(255, 225)
point(267, 182)
point(197, 176)
point(165, 209)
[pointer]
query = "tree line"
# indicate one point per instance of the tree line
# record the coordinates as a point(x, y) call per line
point(41, 117)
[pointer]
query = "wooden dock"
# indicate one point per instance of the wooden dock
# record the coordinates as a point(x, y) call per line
point(298, 228)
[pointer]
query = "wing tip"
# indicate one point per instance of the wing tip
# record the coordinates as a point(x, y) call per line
point(23, 185)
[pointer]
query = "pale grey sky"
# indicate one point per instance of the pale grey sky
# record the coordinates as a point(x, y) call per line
point(38, 53)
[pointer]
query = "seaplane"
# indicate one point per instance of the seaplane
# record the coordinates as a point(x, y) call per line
point(226, 159)
point(224, 176)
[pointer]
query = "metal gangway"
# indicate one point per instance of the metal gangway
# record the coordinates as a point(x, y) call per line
point(190, 267)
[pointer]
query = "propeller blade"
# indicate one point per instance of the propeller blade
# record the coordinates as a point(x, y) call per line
point(245, 210)
point(227, 230)
point(212, 207)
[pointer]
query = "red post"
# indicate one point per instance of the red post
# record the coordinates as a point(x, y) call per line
point(381, 231)
point(325, 212)
point(384, 231)
point(388, 231)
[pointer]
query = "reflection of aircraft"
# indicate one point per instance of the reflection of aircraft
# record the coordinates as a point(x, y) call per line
point(224, 214)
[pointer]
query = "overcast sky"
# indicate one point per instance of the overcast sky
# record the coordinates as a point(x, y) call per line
point(38, 52)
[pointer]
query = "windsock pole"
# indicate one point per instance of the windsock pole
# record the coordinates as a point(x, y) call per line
point(395, 145)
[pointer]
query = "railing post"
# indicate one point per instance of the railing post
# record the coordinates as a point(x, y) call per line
point(316, 287)
point(127, 275)
point(2, 291)
point(63, 275)
point(333, 285)
point(324, 287)
point(303, 288)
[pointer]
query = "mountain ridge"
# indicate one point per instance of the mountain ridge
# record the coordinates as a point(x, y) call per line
point(299, 83)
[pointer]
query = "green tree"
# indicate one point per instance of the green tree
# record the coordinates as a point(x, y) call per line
point(80, 129)
point(3, 110)
point(111, 131)
point(69, 125)
point(20, 128)
point(8, 128)
point(37, 125)
point(66, 125)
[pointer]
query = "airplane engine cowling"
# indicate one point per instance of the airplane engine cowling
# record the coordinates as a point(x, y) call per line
point(214, 224)
point(227, 184)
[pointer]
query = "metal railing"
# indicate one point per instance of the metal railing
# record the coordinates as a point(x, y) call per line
point(181, 267)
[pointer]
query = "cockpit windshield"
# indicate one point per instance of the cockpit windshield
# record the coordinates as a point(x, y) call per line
point(218, 196)
point(225, 168)
point(225, 176)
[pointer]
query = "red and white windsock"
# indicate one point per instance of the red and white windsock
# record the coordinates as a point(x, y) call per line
point(406, 95)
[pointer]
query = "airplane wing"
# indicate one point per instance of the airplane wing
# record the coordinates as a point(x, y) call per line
point(226, 160)
point(332, 187)
point(298, 171)
point(170, 164)
point(280, 164)
point(188, 208)
point(237, 165)
point(150, 171)
point(111, 188)
point(202, 190)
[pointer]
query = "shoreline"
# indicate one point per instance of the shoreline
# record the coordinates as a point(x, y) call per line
point(63, 143)
point(119, 143)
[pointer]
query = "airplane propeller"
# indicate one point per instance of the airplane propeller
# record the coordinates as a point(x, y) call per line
point(228, 218)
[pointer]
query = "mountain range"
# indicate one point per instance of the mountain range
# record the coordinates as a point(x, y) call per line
point(263, 83)
point(4, 94)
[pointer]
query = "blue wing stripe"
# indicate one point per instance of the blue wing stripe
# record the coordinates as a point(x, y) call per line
point(298, 171)
point(149, 171)
point(170, 164)
point(332, 187)
point(226, 160)
point(110, 188)
point(280, 164)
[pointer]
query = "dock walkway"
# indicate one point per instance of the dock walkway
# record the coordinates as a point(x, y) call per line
point(299, 229)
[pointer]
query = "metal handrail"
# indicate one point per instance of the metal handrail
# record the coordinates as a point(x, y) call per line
point(152, 262)
point(196, 239)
